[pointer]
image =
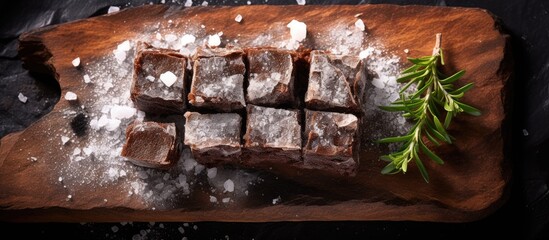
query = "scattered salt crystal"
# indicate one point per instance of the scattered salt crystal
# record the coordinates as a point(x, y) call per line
point(112, 124)
point(185, 224)
point(187, 39)
point(198, 169)
point(181, 230)
point(406, 50)
point(76, 151)
point(246, 192)
point(276, 200)
point(248, 2)
point(70, 96)
point(158, 36)
point(140, 115)
point(123, 223)
point(365, 53)
point(124, 46)
point(122, 173)
point(114, 229)
point(202, 26)
point(87, 78)
point(105, 200)
point(120, 56)
point(195, 227)
point(212, 172)
point(103, 121)
point(161, 225)
point(214, 40)
point(213, 199)
point(301, 2)
point(228, 185)
point(159, 186)
point(525, 132)
point(113, 173)
point(189, 164)
point(378, 83)
point(33, 159)
point(69, 197)
point(298, 30)
point(64, 139)
point(238, 18)
point(226, 200)
point(87, 150)
point(150, 78)
point(204, 3)
point(188, 3)
point(60, 179)
point(22, 98)
point(76, 62)
point(220, 33)
point(170, 37)
point(168, 78)
point(113, 9)
point(122, 112)
point(360, 25)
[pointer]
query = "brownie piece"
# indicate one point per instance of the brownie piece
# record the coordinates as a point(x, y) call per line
point(218, 80)
point(331, 142)
point(270, 77)
point(273, 136)
point(159, 80)
point(213, 138)
point(336, 82)
point(151, 144)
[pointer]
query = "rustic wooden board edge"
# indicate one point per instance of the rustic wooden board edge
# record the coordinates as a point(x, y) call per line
point(30, 42)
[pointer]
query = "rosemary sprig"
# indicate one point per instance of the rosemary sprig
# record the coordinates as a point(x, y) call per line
point(434, 99)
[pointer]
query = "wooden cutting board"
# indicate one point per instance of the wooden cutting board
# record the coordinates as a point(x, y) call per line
point(38, 172)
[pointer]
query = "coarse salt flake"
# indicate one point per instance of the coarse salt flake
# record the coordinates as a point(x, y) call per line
point(228, 185)
point(187, 39)
point(64, 139)
point(212, 172)
point(113, 9)
point(124, 46)
point(213, 199)
point(168, 78)
point(301, 2)
point(150, 78)
point(406, 50)
point(188, 3)
point(238, 18)
point(22, 98)
point(122, 112)
point(70, 96)
point(170, 37)
point(87, 78)
point(298, 30)
point(360, 25)
point(76, 62)
point(214, 40)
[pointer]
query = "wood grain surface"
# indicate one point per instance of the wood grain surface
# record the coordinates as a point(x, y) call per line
point(470, 185)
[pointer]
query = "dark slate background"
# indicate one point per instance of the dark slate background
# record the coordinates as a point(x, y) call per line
point(524, 216)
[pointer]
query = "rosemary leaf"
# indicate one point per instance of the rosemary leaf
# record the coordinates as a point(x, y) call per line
point(435, 98)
